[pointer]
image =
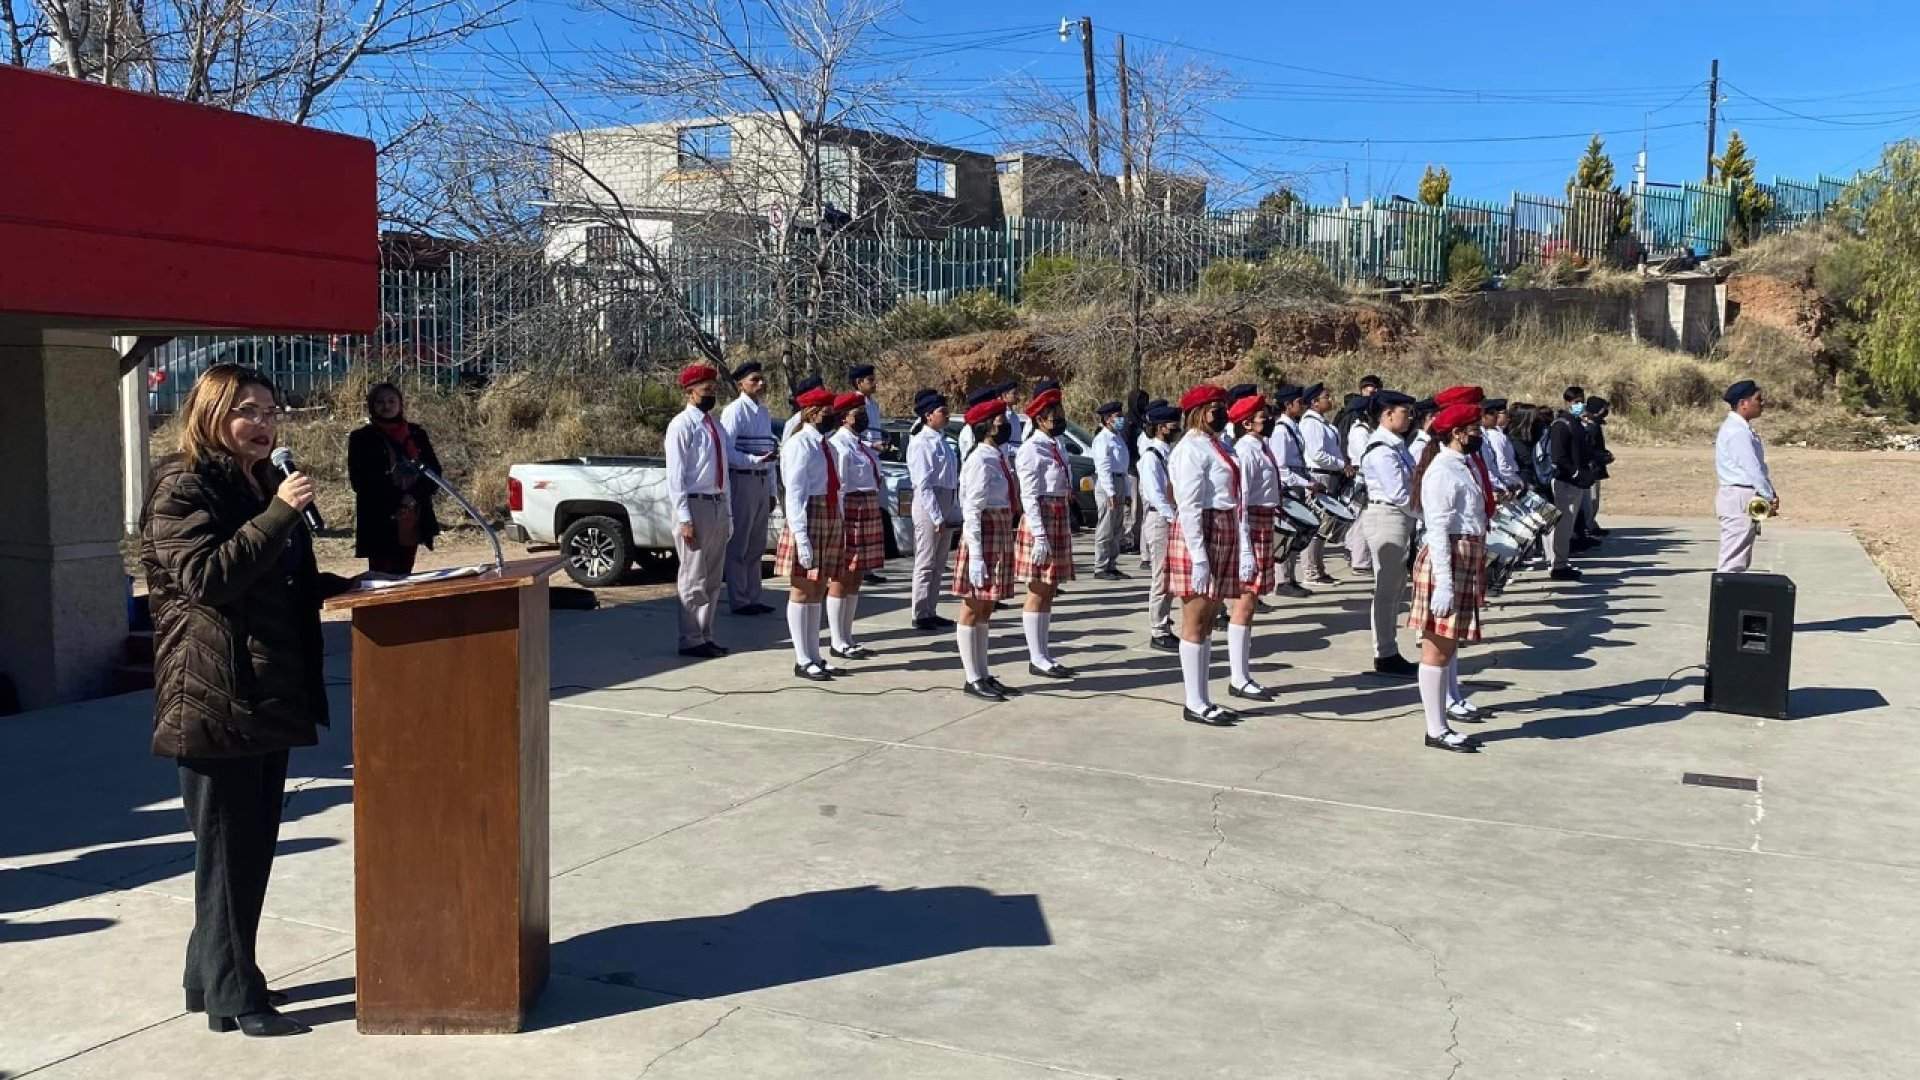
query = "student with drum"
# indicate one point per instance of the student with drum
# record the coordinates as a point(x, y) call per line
point(1290, 449)
point(1450, 573)
point(1387, 467)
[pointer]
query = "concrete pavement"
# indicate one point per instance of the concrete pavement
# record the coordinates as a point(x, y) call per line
point(754, 878)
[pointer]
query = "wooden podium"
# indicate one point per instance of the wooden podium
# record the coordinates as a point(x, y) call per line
point(450, 800)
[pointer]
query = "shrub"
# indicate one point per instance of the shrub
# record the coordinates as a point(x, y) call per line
point(1057, 281)
point(1467, 267)
point(1229, 277)
point(982, 309)
point(917, 320)
point(1525, 276)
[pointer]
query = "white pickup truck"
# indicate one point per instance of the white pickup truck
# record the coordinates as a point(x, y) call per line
point(606, 512)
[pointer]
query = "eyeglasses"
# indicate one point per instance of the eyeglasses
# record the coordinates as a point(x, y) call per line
point(253, 414)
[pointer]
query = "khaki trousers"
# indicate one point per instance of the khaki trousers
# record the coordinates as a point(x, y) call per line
point(701, 568)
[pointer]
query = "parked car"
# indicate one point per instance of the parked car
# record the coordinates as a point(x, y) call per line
point(605, 512)
point(1082, 512)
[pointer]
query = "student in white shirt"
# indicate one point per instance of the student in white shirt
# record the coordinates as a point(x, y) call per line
point(860, 519)
point(1740, 463)
point(1326, 463)
point(1043, 549)
point(1290, 448)
point(1450, 573)
point(933, 472)
point(983, 559)
point(867, 384)
point(812, 543)
point(1140, 448)
point(797, 421)
point(1161, 426)
point(697, 486)
point(1363, 408)
point(1388, 467)
point(751, 451)
point(1497, 448)
point(1206, 561)
point(1109, 492)
point(1259, 502)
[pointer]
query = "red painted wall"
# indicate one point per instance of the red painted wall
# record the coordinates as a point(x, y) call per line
point(125, 210)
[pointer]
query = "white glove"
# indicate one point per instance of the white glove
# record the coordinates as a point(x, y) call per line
point(1440, 604)
point(1042, 551)
point(1247, 571)
point(803, 552)
point(977, 572)
point(1202, 578)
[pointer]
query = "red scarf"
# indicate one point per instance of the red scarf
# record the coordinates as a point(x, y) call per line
point(400, 434)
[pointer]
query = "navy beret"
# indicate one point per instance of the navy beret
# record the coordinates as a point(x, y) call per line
point(928, 400)
point(1493, 404)
point(1286, 394)
point(810, 382)
point(1163, 413)
point(990, 392)
point(751, 367)
point(1241, 390)
point(1740, 391)
point(1107, 409)
point(858, 372)
point(1311, 392)
point(1387, 399)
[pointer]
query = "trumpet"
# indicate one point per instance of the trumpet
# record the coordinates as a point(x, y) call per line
point(1759, 509)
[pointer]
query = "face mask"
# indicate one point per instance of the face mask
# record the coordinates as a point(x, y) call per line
point(1578, 408)
point(705, 403)
point(1472, 444)
point(859, 423)
point(826, 424)
point(997, 434)
point(1217, 420)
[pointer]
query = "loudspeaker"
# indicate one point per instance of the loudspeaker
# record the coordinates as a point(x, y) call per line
point(1750, 644)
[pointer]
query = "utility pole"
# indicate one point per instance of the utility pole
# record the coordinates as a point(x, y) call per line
point(1126, 113)
point(1713, 114)
point(1093, 97)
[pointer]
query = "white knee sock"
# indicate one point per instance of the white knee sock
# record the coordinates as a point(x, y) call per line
point(797, 626)
point(1035, 624)
point(1456, 694)
point(1433, 696)
point(839, 618)
point(813, 632)
point(1240, 653)
point(1193, 671)
point(968, 639)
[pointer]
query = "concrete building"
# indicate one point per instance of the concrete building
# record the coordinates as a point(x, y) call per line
point(1057, 189)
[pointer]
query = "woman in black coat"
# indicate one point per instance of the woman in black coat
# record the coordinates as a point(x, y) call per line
point(238, 681)
point(393, 512)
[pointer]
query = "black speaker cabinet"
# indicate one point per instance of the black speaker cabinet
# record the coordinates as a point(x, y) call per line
point(1750, 644)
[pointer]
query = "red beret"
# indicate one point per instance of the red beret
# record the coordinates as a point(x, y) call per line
point(1040, 402)
point(1204, 394)
point(1459, 395)
point(985, 411)
point(849, 401)
point(694, 374)
point(1241, 411)
point(815, 398)
point(1459, 414)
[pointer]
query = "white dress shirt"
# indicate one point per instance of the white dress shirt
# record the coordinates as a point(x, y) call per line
point(694, 465)
point(859, 466)
point(986, 483)
point(1497, 448)
point(1041, 466)
point(1290, 448)
point(1738, 457)
point(875, 435)
point(1388, 471)
point(1322, 443)
point(931, 462)
point(1109, 464)
point(1259, 471)
point(1418, 447)
point(1202, 480)
point(1451, 504)
point(749, 435)
point(1156, 486)
point(1357, 438)
point(803, 466)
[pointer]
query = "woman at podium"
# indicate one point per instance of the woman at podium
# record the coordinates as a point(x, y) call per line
point(236, 601)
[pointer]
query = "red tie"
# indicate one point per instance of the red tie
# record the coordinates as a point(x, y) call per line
point(1268, 450)
point(1059, 457)
point(719, 453)
point(833, 476)
point(1486, 483)
point(1233, 468)
point(1013, 491)
point(872, 458)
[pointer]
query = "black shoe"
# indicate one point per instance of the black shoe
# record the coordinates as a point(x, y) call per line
point(718, 649)
point(1564, 573)
point(984, 691)
point(813, 672)
point(926, 625)
point(1252, 692)
point(1057, 671)
point(753, 609)
point(1463, 744)
point(1292, 589)
point(1109, 575)
point(1395, 665)
point(1600, 532)
point(1324, 579)
point(942, 623)
point(858, 652)
point(1215, 716)
point(836, 672)
point(197, 999)
point(1261, 606)
point(1003, 688)
point(1164, 642)
point(266, 1024)
point(706, 650)
point(1466, 712)
point(1220, 622)
point(873, 579)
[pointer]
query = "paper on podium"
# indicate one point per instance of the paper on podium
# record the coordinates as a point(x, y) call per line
point(376, 584)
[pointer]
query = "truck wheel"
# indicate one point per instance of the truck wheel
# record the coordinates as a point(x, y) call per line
point(596, 550)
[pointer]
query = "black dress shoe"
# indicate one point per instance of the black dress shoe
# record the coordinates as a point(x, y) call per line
point(197, 999)
point(1214, 716)
point(836, 672)
point(706, 650)
point(873, 579)
point(1564, 573)
point(1108, 575)
point(1003, 688)
point(266, 1024)
point(1057, 671)
point(942, 623)
point(984, 691)
point(1292, 589)
point(926, 626)
point(858, 652)
point(1261, 606)
point(1164, 642)
point(1461, 745)
point(718, 649)
point(1252, 692)
point(1396, 665)
point(812, 672)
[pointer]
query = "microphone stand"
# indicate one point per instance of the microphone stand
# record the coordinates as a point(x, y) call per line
point(499, 557)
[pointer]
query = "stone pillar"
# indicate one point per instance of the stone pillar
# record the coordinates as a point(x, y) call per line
point(63, 621)
point(133, 439)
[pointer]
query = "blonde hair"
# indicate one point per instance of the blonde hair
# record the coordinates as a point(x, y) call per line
point(203, 416)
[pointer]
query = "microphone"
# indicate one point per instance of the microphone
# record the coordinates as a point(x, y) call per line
point(283, 461)
point(407, 471)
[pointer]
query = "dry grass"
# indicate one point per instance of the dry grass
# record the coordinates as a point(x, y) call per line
point(1788, 255)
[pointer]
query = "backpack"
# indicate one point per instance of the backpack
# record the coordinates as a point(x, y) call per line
point(1543, 459)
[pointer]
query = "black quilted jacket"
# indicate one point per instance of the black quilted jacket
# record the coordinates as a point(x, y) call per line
point(236, 614)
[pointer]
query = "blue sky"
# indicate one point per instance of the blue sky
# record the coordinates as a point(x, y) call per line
point(1503, 94)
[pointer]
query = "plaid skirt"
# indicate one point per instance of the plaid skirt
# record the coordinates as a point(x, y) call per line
point(866, 532)
point(996, 536)
point(829, 542)
point(1223, 557)
point(1260, 530)
point(1469, 590)
point(1059, 564)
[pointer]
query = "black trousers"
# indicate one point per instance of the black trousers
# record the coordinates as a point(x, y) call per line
point(233, 807)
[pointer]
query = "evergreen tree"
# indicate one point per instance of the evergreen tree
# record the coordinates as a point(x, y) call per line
point(1751, 205)
point(1434, 185)
point(1890, 235)
point(1595, 172)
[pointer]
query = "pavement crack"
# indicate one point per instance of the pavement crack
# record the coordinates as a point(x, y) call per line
point(677, 1047)
point(1220, 836)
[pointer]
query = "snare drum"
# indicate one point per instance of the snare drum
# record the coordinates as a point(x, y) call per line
point(1298, 523)
point(1336, 515)
point(1504, 552)
point(1540, 507)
